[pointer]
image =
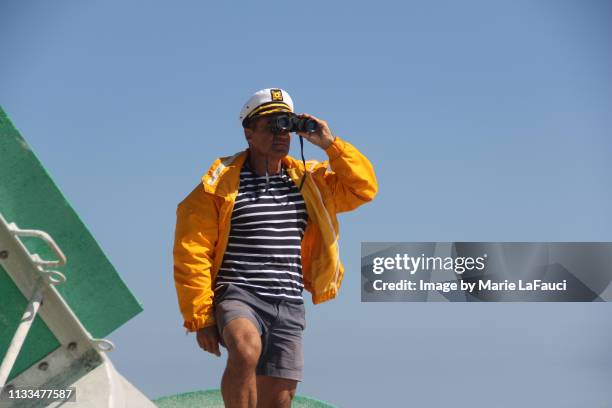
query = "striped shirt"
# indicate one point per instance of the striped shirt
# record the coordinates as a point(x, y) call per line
point(263, 253)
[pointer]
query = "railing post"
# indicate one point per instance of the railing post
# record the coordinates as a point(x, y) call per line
point(20, 335)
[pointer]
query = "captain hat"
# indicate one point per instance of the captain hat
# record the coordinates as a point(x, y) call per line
point(264, 102)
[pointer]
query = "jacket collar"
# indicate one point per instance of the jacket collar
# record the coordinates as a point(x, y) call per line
point(223, 177)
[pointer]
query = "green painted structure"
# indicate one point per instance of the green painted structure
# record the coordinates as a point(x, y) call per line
point(95, 292)
point(212, 399)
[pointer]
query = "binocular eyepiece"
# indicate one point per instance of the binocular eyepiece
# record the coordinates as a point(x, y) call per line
point(290, 122)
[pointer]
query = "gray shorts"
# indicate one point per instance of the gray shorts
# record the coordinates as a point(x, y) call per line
point(279, 323)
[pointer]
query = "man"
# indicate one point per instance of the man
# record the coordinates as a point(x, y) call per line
point(259, 229)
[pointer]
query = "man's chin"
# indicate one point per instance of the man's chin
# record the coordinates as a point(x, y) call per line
point(279, 151)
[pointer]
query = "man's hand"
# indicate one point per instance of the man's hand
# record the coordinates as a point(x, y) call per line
point(208, 339)
point(322, 137)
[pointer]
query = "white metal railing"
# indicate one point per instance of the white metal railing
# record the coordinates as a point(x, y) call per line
point(36, 281)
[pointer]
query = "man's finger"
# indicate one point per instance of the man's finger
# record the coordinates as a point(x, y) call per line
point(211, 344)
point(215, 349)
point(318, 120)
point(214, 343)
point(308, 136)
point(203, 343)
point(306, 115)
point(199, 341)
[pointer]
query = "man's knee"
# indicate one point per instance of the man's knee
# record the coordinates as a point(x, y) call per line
point(243, 343)
point(282, 399)
point(288, 395)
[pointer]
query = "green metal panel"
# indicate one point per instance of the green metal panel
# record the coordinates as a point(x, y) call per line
point(213, 399)
point(94, 290)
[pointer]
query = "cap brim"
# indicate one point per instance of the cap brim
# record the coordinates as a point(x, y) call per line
point(265, 112)
point(268, 112)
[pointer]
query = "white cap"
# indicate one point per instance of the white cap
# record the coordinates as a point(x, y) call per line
point(266, 101)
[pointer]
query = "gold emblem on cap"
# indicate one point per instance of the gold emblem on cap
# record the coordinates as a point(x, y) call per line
point(277, 94)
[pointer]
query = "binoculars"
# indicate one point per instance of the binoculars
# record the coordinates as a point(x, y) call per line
point(290, 122)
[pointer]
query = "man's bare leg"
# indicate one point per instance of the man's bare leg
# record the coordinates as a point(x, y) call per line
point(273, 392)
point(238, 385)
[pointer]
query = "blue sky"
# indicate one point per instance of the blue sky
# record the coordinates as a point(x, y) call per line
point(485, 120)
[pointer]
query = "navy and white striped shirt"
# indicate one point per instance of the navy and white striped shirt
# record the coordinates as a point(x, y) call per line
point(263, 253)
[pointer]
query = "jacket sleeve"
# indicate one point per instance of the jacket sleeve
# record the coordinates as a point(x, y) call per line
point(352, 179)
point(194, 242)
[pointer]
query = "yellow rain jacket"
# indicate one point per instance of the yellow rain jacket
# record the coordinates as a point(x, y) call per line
point(203, 225)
